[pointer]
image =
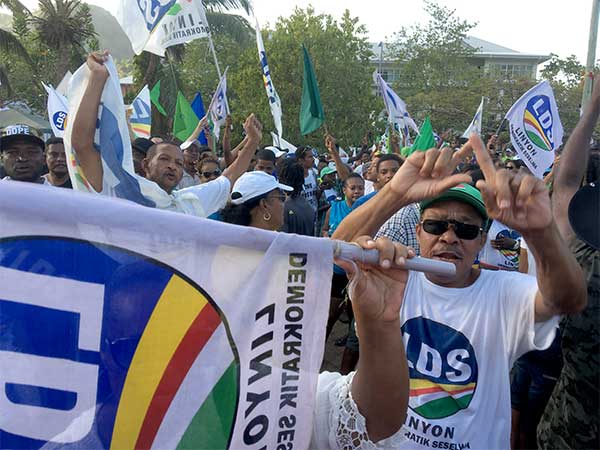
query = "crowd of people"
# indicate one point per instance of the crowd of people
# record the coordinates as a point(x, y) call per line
point(505, 353)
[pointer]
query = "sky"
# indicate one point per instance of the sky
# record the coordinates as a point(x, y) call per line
point(527, 26)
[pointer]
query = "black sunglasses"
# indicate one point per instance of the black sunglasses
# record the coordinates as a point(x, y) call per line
point(463, 230)
point(215, 173)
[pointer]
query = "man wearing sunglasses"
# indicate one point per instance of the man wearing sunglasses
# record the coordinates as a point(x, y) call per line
point(463, 333)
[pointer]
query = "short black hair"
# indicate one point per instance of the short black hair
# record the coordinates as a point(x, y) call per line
point(54, 140)
point(351, 176)
point(389, 157)
point(265, 155)
point(152, 150)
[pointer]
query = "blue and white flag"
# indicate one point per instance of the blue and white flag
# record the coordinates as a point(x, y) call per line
point(155, 25)
point(198, 108)
point(219, 107)
point(111, 140)
point(141, 117)
point(475, 125)
point(274, 100)
point(58, 110)
point(535, 128)
point(396, 108)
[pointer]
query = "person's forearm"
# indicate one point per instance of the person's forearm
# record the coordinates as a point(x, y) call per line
point(380, 386)
point(242, 162)
point(574, 159)
point(84, 130)
point(232, 156)
point(342, 169)
point(560, 278)
point(369, 217)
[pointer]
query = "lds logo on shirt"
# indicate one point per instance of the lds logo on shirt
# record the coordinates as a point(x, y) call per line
point(442, 368)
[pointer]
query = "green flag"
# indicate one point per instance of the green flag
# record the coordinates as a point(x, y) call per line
point(155, 98)
point(425, 140)
point(312, 115)
point(185, 120)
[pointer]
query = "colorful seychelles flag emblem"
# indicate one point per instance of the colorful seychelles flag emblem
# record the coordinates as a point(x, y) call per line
point(535, 128)
point(126, 327)
point(442, 368)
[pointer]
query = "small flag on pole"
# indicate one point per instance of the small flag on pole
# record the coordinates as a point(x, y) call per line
point(274, 100)
point(58, 110)
point(198, 107)
point(141, 118)
point(155, 98)
point(312, 115)
point(153, 26)
point(395, 107)
point(535, 128)
point(219, 107)
point(185, 120)
point(475, 125)
point(426, 138)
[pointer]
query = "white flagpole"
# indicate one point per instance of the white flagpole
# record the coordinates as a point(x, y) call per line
point(212, 49)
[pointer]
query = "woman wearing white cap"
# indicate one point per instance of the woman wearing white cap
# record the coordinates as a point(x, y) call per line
point(257, 201)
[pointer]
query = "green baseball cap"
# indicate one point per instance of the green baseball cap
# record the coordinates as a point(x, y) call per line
point(326, 171)
point(464, 193)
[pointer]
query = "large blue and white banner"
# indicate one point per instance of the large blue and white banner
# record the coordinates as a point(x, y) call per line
point(126, 327)
point(155, 25)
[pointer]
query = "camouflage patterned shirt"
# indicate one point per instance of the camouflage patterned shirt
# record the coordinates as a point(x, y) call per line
point(572, 417)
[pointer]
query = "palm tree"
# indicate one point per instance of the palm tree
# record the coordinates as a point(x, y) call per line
point(11, 45)
point(63, 26)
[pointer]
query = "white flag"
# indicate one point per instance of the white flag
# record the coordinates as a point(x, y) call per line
point(274, 100)
point(131, 327)
point(219, 107)
point(58, 110)
point(535, 128)
point(141, 117)
point(155, 25)
point(283, 144)
point(63, 86)
point(475, 125)
point(395, 106)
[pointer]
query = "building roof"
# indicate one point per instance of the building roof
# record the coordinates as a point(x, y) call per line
point(483, 49)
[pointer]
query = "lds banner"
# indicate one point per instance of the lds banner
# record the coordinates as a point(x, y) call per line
point(535, 128)
point(129, 327)
point(155, 25)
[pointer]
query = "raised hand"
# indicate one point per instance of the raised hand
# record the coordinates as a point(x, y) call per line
point(429, 174)
point(518, 200)
point(253, 128)
point(95, 62)
point(377, 291)
point(330, 142)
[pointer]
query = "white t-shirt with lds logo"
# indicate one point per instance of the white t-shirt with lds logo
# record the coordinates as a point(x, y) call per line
point(461, 345)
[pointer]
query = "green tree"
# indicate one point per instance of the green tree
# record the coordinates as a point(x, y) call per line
point(340, 53)
point(441, 78)
point(64, 26)
point(10, 45)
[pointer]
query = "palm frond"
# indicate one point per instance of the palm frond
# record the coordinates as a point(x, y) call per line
point(4, 82)
point(233, 25)
point(225, 5)
point(10, 44)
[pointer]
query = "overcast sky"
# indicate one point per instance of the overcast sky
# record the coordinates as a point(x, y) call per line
point(528, 26)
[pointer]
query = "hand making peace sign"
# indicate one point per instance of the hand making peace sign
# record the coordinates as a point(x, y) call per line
point(518, 200)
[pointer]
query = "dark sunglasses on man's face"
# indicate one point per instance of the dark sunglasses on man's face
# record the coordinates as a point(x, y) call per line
point(463, 230)
point(215, 173)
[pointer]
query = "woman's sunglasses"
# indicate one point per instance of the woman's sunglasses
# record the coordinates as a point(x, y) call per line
point(462, 230)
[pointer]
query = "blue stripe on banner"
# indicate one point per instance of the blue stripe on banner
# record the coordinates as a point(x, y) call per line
point(112, 152)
